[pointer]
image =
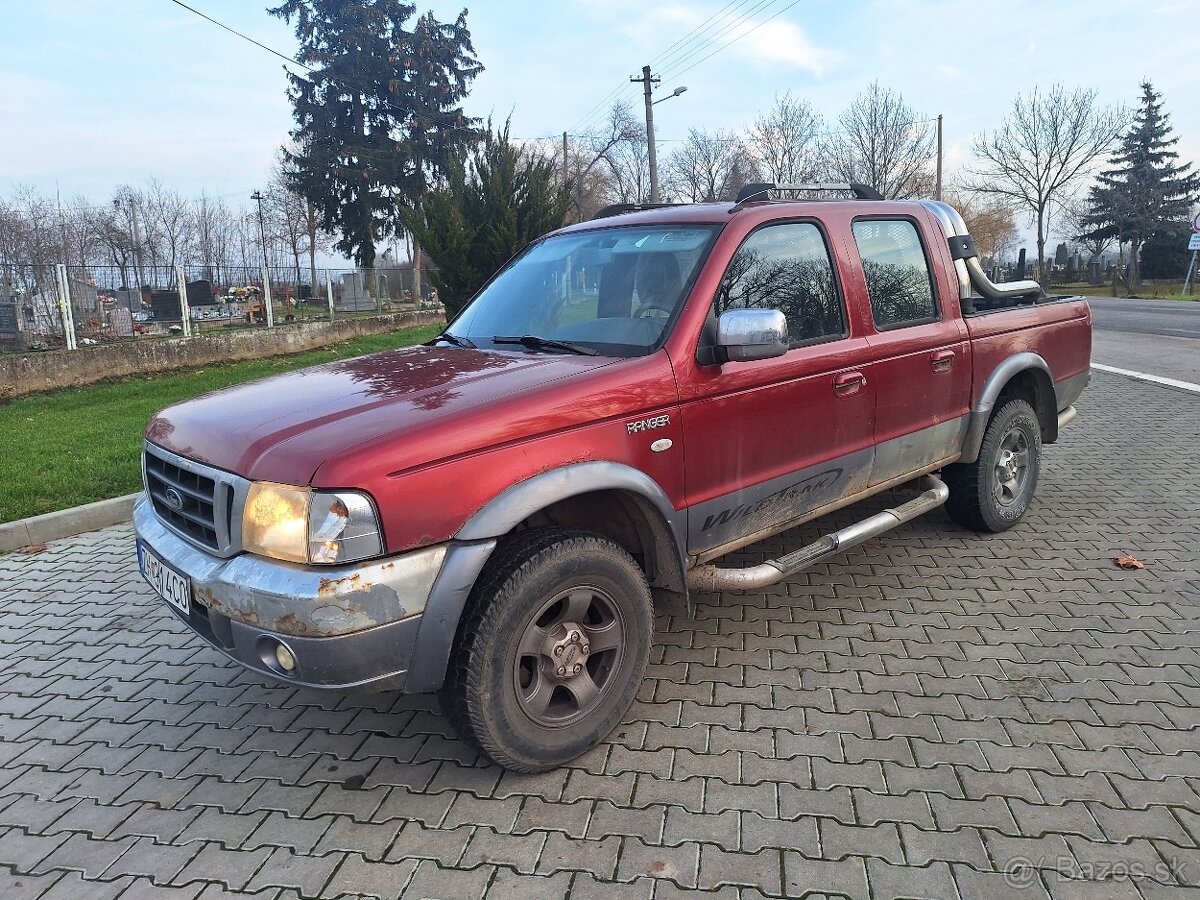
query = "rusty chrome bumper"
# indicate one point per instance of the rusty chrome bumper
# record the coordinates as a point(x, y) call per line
point(345, 626)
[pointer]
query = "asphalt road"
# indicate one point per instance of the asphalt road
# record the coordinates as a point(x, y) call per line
point(1175, 318)
point(1158, 337)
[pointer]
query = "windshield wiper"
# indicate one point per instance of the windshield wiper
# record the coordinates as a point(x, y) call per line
point(454, 339)
point(533, 342)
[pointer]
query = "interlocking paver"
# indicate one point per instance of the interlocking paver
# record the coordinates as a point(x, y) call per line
point(934, 712)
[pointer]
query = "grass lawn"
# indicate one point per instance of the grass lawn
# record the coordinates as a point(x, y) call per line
point(65, 448)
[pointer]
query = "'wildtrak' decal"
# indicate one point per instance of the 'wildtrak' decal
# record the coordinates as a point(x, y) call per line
point(812, 485)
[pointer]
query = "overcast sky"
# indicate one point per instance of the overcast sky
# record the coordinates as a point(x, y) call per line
point(95, 93)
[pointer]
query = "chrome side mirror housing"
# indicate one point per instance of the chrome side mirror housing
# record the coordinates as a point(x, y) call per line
point(747, 334)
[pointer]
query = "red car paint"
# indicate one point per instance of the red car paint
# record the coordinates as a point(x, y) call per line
point(434, 434)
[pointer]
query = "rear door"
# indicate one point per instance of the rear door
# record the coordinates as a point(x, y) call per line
point(768, 441)
point(920, 362)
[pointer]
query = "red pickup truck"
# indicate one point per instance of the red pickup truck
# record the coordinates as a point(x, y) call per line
point(622, 405)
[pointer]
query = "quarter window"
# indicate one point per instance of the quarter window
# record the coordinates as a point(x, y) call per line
point(786, 267)
point(896, 272)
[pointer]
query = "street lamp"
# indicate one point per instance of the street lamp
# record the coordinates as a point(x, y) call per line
point(647, 83)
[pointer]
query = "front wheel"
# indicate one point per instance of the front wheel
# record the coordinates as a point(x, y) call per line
point(551, 650)
point(994, 492)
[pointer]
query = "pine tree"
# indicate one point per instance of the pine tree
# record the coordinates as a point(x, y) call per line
point(1146, 190)
point(377, 116)
point(489, 210)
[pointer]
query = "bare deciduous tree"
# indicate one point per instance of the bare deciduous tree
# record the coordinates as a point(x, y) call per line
point(785, 141)
point(609, 166)
point(881, 142)
point(709, 166)
point(1048, 143)
point(990, 220)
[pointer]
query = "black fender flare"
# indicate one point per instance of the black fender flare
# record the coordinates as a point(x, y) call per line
point(473, 545)
point(995, 384)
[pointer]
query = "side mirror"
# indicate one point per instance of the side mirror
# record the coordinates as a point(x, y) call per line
point(746, 334)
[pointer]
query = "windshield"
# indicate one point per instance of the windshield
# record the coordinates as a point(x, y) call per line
point(613, 291)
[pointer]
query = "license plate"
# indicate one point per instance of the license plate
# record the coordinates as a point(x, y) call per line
point(173, 587)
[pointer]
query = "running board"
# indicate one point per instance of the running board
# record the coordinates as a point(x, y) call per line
point(710, 579)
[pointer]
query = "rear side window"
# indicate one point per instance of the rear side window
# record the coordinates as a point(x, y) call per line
point(786, 267)
point(896, 271)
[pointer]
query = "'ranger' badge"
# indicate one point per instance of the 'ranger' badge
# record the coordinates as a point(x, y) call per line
point(647, 424)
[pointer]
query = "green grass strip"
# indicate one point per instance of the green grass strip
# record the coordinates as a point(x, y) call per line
point(65, 448)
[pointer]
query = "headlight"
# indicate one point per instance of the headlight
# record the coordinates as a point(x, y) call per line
point(307, 526)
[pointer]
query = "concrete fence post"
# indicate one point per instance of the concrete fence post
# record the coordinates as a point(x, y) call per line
point(186, 313)
point(329, 293)
point(267, 308)
point(65, 313)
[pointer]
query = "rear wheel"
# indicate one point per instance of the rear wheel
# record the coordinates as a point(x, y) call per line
point(551, 650)
point(994, 492)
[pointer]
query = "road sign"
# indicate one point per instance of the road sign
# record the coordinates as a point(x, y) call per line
point(1196, 223)
point(1194, 241)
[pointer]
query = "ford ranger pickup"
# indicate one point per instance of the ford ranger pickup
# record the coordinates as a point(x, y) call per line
point(622, 405)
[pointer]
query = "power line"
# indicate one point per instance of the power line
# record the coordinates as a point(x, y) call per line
point(726, 46)
point(732, 21)
point(673, 55)
point(286, 59)
point(587, 118)
point(329, 79)
point(695, 34)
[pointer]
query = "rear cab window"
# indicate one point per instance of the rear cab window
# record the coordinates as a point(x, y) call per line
point(896, 269)
point(787, 267)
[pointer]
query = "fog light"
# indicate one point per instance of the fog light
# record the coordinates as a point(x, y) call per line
point(284, 657)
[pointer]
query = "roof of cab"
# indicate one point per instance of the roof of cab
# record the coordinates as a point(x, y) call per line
point(721, 212)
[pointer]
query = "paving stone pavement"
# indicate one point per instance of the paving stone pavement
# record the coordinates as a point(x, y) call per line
point(935, 714)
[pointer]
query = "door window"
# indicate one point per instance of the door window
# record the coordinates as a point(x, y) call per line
point(786, 267)
point(896, 272)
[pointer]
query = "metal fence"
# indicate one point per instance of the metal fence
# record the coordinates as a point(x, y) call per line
point(59, 306)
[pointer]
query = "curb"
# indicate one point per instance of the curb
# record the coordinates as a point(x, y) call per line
point(66, 522)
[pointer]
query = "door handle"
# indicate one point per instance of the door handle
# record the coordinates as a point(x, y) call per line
point(942, 361)
point(849, 383)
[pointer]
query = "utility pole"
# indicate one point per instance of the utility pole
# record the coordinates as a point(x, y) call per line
point(266, 273)
point(565, 169)
point(137, 245)
point(262, 231)
point(937, 192)
point(647, 84)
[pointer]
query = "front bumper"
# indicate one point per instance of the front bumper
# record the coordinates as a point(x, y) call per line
point(345, 626)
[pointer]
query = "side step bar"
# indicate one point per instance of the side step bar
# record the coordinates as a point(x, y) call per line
point(710, 579)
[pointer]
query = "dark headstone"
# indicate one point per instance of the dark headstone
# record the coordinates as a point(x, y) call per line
point(200, 293)
point(165, 306)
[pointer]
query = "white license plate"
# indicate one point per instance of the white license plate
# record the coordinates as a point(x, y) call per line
point(176, 589)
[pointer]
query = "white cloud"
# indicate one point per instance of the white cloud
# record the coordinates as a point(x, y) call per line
point(785, 42)
point(733, 34)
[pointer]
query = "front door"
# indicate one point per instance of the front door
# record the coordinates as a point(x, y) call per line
point(771, 440)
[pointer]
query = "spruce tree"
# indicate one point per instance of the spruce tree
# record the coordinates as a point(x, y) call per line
point(378, 115)
point(1146, 190)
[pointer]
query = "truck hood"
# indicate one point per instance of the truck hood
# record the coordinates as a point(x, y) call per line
point(284, 427)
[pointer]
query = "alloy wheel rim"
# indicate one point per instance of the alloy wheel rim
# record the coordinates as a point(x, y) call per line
point(568, 656)
point(1012, 467)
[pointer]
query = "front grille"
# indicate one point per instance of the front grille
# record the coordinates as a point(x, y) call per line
point(195, 500)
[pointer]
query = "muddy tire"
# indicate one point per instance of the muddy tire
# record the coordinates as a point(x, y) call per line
point(551, 650)
point(994, 492)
